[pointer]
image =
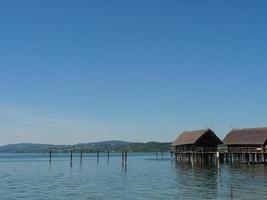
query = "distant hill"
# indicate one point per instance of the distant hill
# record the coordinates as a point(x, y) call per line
point(112, 146)
point(28, 148)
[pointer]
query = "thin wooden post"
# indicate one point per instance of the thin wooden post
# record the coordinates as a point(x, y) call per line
point(192, 158)
point(156, 154)
point(50, 157)
point(125, 157)
point(97, 156)
point(71, 158)
point(256, 157)
point(122, 157)
point(171, 154)
point(81, 157)
point(71, 155)
point(218, 159)
point(108, 155)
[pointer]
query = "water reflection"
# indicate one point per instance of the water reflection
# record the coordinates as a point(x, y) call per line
point(143, 177)
point(197, 181)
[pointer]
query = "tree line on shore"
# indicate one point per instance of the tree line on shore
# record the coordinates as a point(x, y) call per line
point(106, 146)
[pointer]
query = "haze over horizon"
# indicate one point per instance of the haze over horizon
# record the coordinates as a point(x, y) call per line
point(85, 71)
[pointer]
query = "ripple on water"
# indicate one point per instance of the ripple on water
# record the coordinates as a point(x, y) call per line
point(29, 176)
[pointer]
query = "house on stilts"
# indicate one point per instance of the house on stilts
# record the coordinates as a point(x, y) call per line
point(246, 145)
point(197, 145)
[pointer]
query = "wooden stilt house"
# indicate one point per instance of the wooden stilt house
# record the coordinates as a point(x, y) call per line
point(196, 146)
point(247, 145)
point(196, 141)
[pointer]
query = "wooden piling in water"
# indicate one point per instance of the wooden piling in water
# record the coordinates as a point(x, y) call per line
point(218, 160)
point(81, 157)
point(125, 157)
point(122, 157)
point(50, 157)
point(97, 156)
point(71, 158)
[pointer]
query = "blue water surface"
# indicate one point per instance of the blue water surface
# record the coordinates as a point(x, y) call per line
point(31, 176)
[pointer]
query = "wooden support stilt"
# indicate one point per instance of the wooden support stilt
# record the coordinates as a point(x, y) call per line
point(218, 159)
point(71, 158)
point(122, 157)
point(255, 157)
point(171, 154)
point(97, 156)
point(81, 157)
point(192, 159)
point(125, 157)
point(124, 160)
point(50, 157)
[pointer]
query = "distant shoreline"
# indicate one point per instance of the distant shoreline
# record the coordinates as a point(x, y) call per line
point(106, 146)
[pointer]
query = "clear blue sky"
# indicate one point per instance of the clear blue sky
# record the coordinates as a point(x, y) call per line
point(81, 71)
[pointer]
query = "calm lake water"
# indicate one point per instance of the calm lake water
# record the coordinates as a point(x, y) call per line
point(30, 176)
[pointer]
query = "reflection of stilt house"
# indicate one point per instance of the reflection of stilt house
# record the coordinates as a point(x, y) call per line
point(247, 145)
point(196, 145)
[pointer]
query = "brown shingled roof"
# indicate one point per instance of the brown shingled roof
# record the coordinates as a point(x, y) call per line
point(190, 137)
point(246, 136)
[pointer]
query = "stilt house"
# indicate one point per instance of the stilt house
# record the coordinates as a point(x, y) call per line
point(250, 140)
point(196, 141)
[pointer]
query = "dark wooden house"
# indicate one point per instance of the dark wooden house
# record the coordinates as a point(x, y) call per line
point(249, 145)
point(251, 139)
point(196, 146)
point(196, 141)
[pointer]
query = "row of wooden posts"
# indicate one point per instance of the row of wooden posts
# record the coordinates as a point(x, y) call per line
point(246, 157)
point(192, 157)
point(197, 157)
point(124, 156)
point(217, 157)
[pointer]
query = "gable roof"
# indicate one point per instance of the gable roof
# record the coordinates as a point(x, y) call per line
point(189, 137)
point(246, 136)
